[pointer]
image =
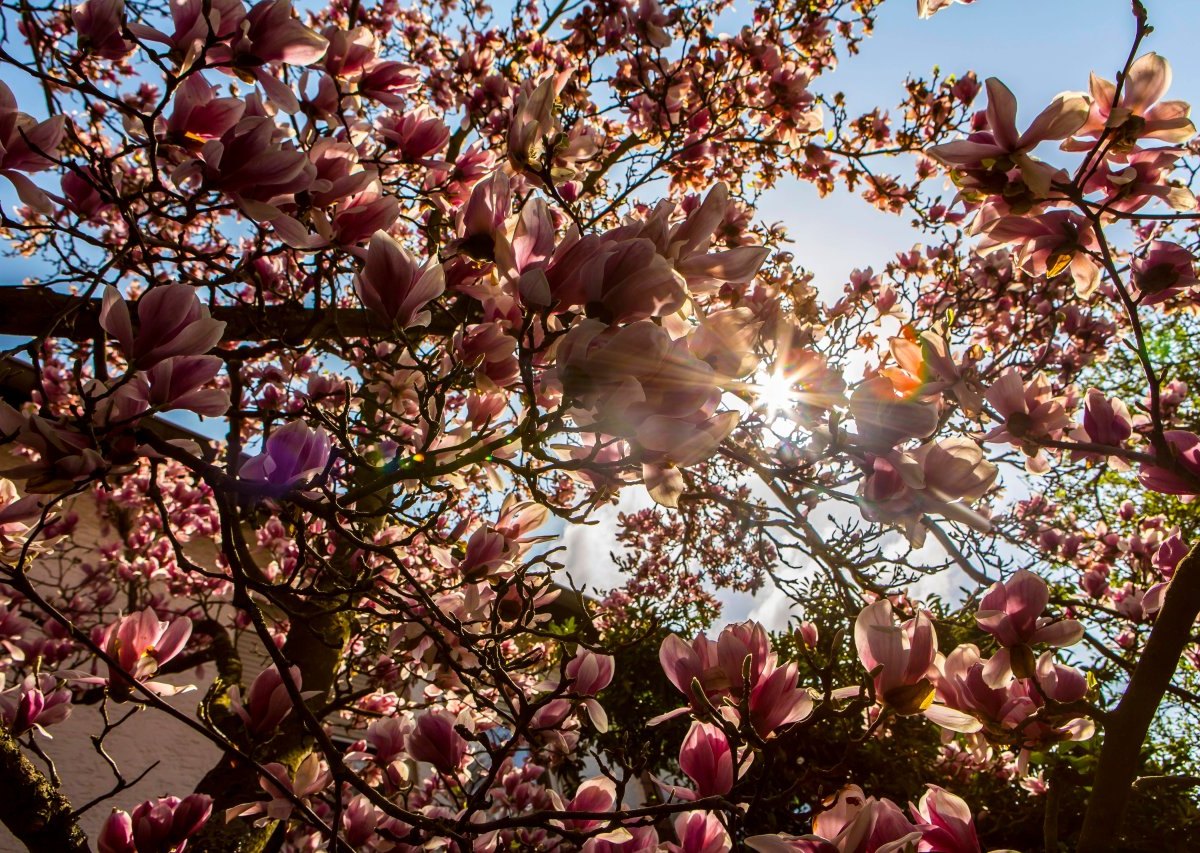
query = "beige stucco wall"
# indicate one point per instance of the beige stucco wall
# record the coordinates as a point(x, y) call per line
point(185, 757)
point(149, 736)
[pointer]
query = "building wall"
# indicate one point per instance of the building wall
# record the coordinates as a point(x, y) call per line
point(184, 755)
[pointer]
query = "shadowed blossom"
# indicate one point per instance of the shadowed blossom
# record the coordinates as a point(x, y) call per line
point(293, 454)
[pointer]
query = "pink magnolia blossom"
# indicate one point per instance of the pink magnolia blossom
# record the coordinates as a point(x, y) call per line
point(902, 658)
point(81, 196)
point(947, 825)
point(1172, 550)
point(924, 368)
point(595, 795)
point(360, 216)
point(434, 740)
point(140, 644)
point(293, 454)
point(1164, 271)
point(954, 469)
point(1048, 244)
point(1144, 176)
point(886, 496)
point(176, 383)
point(526, 246)
point(199, 115)
point(856, 822)
point(784, 843)
point(15, 511)
point(311, 778)
point(777, 700)
point(1141, 112)
point(156, 826)
point(719, 665)
point(1011, 611)
point(253, 165)
point(416, 135)
point(267, 702)
point(687, 244)
point(387, 735)
point(550, 717)
point(929, 8)
point(684, 663)
point(1001, 147)
point(1059, 682)
point(1106, 420)
point(350, 52)
point(940, 477)
point(272, 33)
point(166, 824)
point(1005, 711)
point(492, 350)
point(26, 145)
point(34, 703)
point(171, 322)
point(393, 285)
point(65, 456)
point(480, 222)
point(533, 123)
point(121, 406)
point(808, 633)
point(707, 759)
point(773, 695)
point(387, 81)
point(725, 341)
point(98, 26)
point(652, 23)
point(883, 419)
point(589, 672)
point(1095, 581)
point(616, 280)
point(194, 21)
point(360, 820)
point(489, 554)
point(737, 642)
point(635, 382)
point(634, 839)
point(1183, 475)
point(700, 832)
point(492, 550)
point(116, 835)
point(1029, 411)
point(903, 654)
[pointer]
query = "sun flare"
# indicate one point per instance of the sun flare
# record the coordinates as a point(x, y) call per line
point(774, 394)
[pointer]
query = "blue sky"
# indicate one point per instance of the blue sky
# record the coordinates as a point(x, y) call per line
point(1037, 47)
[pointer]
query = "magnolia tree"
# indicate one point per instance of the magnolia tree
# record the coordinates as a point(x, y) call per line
point(433, 284)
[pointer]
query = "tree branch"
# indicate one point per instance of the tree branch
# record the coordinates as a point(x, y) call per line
point(1125, 731)
point(34, 312)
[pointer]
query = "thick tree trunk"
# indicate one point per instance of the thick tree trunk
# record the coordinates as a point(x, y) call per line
point(1126, 728)
point(34, 810)
point(316, 646)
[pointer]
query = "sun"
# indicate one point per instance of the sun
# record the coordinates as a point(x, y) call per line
point(774, 394)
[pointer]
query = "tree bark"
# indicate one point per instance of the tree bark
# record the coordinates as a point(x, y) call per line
point(34, 810)
point(33, 312)
point(315, 645)
point(1126, 728)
